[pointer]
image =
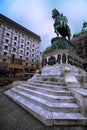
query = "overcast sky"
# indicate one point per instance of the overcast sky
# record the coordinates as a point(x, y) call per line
point(36, 15)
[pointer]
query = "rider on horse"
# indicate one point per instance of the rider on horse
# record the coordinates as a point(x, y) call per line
point(63, 20)
point(61, 24)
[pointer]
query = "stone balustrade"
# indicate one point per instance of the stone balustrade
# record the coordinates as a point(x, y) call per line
point(81, 96)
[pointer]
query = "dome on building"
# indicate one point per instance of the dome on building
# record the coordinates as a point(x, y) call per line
point(84, 29)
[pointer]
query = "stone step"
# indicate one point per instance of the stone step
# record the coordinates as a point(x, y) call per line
point(59, 91)
point(47, 117)
point(49, 105)
point(46, 85)
point(49, 82)
point(49, 97)
point(50, 78)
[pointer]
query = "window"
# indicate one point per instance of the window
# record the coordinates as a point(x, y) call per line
point(13, 56)
point(32, 60)
point(15, 43)
point(7, 34)
point(0, 25)
point(21, 51)
point(15, 38)
point(4, 61)
point(27, 48)
point(26, 58)
point(37, 47)
point(32, 55)
point(27, 53)
point(33, 50)
point(20, 57)
point(0, 31)
point(26, 64)
point(16, 31)
point(22, 35)
point(37, 56)
point(27, 43)
point(5, 53)
point(85, 46)
point(6, 47)
point(8, 28)
point(37, 66)
point(21, 46)
point(14, 49)
point(6, 40)
point(22, 40)
point(82, 56)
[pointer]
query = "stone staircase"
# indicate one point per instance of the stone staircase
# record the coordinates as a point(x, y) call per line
point(50, 102)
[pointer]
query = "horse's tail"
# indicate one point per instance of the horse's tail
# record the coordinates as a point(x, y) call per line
point(69, 32)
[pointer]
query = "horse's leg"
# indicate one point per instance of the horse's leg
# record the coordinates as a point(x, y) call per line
point(69, 38)
point(68, 32)
point(56, 31)
point(69, 35)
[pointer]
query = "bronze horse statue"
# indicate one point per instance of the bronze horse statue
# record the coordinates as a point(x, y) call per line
point(60, 24)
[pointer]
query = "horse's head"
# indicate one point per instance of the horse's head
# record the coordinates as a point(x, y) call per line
point(55, 13)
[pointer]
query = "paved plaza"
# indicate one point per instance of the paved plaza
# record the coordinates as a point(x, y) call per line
point(13, 117)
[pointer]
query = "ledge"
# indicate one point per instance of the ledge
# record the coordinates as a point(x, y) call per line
point(80, 95)
point(81, 91)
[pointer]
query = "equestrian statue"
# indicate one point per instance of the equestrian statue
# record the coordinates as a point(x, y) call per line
point(61, 24)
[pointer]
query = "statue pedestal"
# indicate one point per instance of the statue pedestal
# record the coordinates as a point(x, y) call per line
point(55, 63)
point(63, 63)
point(58, 56)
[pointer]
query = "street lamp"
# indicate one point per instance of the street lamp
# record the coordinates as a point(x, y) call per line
point(12, 60)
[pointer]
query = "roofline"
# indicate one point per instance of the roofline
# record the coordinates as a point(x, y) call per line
point(18, 25)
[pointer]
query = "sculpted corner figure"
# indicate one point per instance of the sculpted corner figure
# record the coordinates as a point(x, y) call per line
point(61, 24)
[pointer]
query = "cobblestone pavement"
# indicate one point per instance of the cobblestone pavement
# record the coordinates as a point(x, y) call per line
point(13, 117)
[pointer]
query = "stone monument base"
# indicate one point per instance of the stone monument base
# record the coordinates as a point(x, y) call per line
point(53, 95)
point(58, 61)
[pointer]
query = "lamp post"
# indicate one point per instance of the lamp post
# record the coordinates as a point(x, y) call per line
point(12, 58)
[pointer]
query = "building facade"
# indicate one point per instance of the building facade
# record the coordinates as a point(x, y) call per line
point(80, 41)
point(19, 47)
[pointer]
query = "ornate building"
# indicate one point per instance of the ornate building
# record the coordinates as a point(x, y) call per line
point(80, 41)
point(19, 47)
